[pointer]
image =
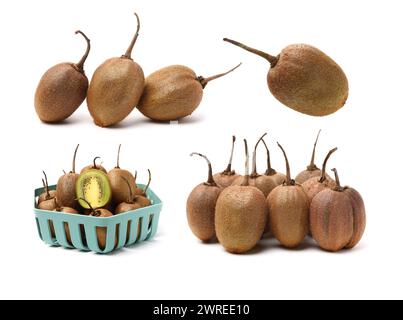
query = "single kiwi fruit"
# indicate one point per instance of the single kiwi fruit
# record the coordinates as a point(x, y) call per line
point(200, 205)
point(240, 215)
point(66, 187)
point(131, 203)
point(120, 192)
point(65, 224)
point(304, 79)
point(263, 182)
point(173, 92)
point(142, 198)
point(337, 217)
point(311, 170)
point(116, 87)
point(315, 185)
point(93, 185)
point(47, 194)
point(62, 89)
point(99, 213)
point(227, 177)
point(48, 205)
point(278, 177)
point(94, 166)
point(288, 211)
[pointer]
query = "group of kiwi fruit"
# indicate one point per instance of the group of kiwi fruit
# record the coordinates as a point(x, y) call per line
point(238, 210)
point(301, 77)
point(94, 192)
point(117, 87)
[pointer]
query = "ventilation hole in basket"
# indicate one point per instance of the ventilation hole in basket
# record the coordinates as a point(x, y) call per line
point(39, 228)
point(129, 227)
point(83, 236)
point(151, 222)
point(139, 229)
point(67, 232)
point(51, 229)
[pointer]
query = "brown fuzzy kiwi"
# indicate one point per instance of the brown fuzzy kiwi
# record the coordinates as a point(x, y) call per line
point(337, 217)
point(263, 182)
point(278, 177)
point(142, 198)
point(48, 205)
point(116, 87)
point(101, 231)
point(200, 206)
point(62, 89)
point(240, 215)
point(131, 203)
point(47, 194)
point(288, 211)
point(227, 177)
point(65, 224)
point(66, 187)
point(120, 192)
point(305, 79)
point(95, 166)
point(311, 170)
point(316, 184)
point(173, 92)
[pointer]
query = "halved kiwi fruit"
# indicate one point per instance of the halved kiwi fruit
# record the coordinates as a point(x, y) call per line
point(93, 186)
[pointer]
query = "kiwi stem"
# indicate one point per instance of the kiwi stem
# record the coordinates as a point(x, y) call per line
point(118, 158)
point(210, 179)
point(130, 200)
point(129, 50)
point(46, 185)
point(74, 160)
point(64, 172)
point(149, 181)
point(80, 64)
point(254, 169)
point(336, 176)
point(288, 181)
point(245, 181)
point(95, 164)
point(312, 166)
point(228, 170)
point(89, 204)
point(272, 59)
point(323, 176)
point(270, 171)
point(203, 81)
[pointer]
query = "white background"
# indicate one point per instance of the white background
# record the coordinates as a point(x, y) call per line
point(364, 37)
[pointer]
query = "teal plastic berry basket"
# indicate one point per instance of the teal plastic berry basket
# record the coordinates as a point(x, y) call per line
point(122, 230)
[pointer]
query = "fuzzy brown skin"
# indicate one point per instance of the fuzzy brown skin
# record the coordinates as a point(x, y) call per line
point(61, 90)
point(240, 219)
point(44, 196)
point(124, 207)
point(102, 231)
point(331, 220)
point(288, 214)
point(225, 180)
point(120, 191)
point(114, 91)
point(308, 81)
point(48, 205)
point(90, 167)
point(313, 186)
point(359, 216)
point(306, 175)
point(278, 177)
point(200, 210)
point(171, 93)
point(266, 184)
point(66, 190)
point(143, 201)
point(65, 224)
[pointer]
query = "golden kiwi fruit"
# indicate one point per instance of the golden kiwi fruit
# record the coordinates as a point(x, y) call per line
point(116, 87)
point(288, 211)
point(337, 217)
point(315, 185)
point(226, 178)
point(62, 89)
point(240, 215)
point(304, 79)
point(173, 92)
point(201, 204)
